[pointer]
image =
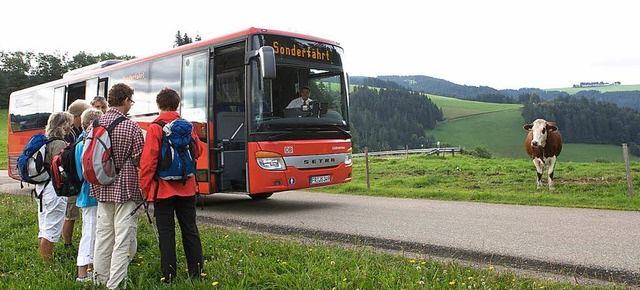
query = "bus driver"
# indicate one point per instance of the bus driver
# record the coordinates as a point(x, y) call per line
point(302, 100)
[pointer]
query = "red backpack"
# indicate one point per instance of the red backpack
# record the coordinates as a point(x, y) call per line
point(98, 164)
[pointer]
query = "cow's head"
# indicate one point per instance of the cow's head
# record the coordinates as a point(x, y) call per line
point(539, 129)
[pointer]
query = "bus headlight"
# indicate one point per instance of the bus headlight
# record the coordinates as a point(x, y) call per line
point(270, 160)
point(347, 159)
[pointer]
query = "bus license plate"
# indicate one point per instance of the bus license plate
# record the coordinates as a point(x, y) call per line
point(320, 179)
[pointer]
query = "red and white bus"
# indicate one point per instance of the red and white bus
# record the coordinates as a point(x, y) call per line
point(235, 90)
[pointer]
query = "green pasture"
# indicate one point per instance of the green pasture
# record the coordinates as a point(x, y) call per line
point(463, 177)
point(234, 259)
point(453, 108)
point(499, 132)
point(498, 129)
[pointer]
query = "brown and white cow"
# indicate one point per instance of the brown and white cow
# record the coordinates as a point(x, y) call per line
point(543, 144)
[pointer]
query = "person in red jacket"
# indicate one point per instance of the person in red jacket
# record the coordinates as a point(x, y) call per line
point(172, 196)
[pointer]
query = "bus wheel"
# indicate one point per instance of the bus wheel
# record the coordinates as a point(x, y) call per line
point(261, 195)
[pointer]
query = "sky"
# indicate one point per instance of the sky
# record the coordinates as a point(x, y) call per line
point(500, 44)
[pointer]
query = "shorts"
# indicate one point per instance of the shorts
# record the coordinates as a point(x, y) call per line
point(51, 218)
point(72, 213)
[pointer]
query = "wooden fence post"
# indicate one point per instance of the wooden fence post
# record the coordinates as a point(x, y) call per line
point(625, 152)
point(366, 164)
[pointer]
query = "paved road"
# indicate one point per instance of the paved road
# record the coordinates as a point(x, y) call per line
point(585, 243)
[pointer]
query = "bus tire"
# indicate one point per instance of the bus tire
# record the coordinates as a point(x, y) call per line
point(261, 195)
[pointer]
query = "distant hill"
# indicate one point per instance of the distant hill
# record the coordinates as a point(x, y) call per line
point(623, 98)
point(446, 88)
point(439, 87)
point(375, 82)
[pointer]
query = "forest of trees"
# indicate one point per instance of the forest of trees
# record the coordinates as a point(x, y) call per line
point(389, 119)
point(374, 82)
point(19, 70)
point(23, 69)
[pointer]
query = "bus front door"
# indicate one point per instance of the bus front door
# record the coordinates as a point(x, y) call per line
point(230, 152)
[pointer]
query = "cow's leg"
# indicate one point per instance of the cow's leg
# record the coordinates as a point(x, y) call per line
point(552, 165)
point(539, 169)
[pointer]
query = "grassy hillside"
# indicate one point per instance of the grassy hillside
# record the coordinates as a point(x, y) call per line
point(602, 89)
point(498, 128)
point(499, 132)
point(453, 108)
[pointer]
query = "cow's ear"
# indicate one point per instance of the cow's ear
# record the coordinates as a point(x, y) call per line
point(551, 126)
point(528, 127)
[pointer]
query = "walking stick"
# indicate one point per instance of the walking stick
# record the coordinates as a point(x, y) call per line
point(146, 211)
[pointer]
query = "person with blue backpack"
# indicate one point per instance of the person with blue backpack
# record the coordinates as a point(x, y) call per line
point(53, 207)
point(168, 180)
point(88, 204)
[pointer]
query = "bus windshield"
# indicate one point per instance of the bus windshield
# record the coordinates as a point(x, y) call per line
point(277, 115)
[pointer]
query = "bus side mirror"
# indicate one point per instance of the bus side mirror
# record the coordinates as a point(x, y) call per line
point(267, 62)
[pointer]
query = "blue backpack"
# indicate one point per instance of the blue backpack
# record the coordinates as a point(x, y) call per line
point(177, 159)
point(31, 163)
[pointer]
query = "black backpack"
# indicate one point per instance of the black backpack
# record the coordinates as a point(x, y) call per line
point(64, 175)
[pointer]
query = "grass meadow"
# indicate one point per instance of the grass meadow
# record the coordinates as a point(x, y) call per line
point(235, 259)
point(600, 185)
point(240, 260)
point(453, 108)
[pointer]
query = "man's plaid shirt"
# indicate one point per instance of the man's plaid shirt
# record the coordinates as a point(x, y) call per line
point(126, 144)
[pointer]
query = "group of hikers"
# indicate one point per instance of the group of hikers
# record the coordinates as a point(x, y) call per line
point(110, 209)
